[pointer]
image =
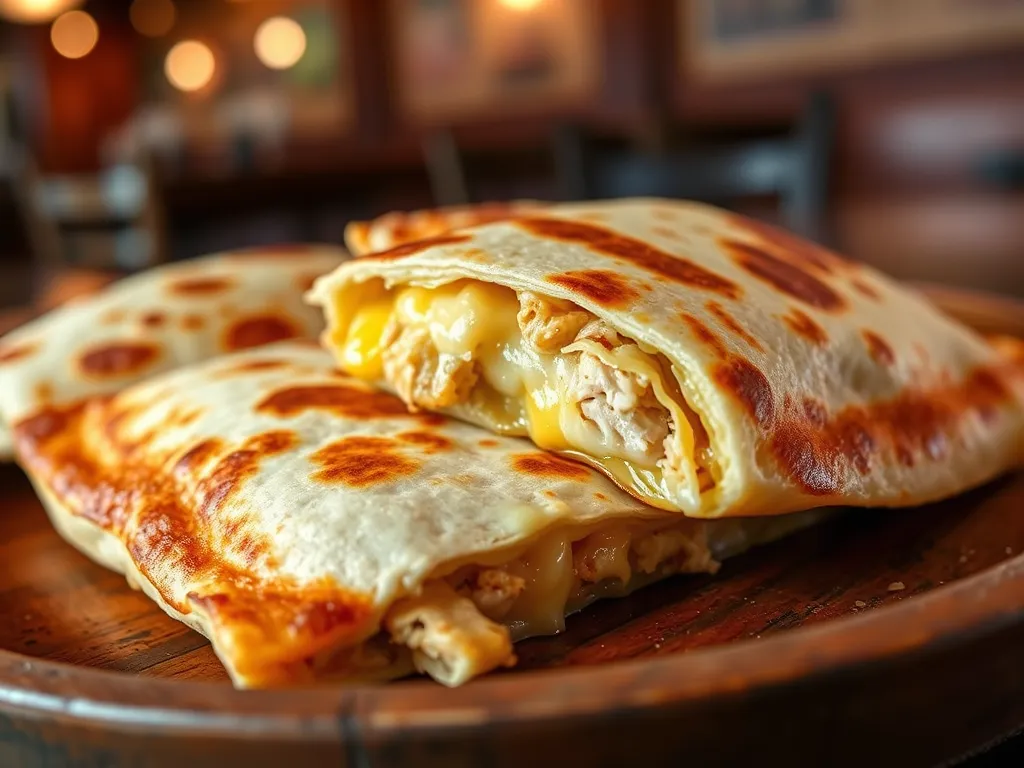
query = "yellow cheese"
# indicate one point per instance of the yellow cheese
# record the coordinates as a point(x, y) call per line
point(543, 414)
point(360, 353)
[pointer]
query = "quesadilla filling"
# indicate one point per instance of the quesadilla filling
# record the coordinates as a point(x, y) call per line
point(464, 623)
point(524, 364)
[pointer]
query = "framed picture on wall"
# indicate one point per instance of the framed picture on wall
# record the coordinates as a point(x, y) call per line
point(465, 59)
point(748, 39)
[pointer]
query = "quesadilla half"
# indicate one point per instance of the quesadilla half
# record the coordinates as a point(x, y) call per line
point(313, 528)
point(158, 320)
point(707, 363)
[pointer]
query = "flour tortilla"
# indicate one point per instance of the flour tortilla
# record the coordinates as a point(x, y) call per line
point(398, 227)
point(284, 510)
point(158, 320)
point(818, 380)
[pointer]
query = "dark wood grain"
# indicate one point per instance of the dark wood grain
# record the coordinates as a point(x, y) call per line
point(803, 650)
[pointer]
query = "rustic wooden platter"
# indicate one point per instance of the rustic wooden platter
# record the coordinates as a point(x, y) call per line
point(882, 638)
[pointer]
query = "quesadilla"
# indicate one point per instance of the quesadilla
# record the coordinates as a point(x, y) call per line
point(707, 363)
point(158, 320)
point(312, 527)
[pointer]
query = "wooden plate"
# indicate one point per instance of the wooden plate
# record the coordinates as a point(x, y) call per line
point(881, 638)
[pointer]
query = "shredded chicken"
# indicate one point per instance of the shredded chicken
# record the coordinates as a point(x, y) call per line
point(549, 324)
point(449, 638)
point(680, 548)
point(494, 590)
point(603, 555)
point(420, 374)
point(622, 406)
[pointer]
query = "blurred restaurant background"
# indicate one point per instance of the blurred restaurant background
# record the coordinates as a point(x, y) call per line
point(134, 132)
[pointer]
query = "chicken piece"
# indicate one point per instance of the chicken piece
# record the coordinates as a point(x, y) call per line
point(603, 555)
point(549, 324)
point(450, 639)
point(494, 591)
point(623, 406)
point(420, 375)
point(684, 550)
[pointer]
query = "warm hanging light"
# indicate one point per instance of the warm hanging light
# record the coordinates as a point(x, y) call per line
point(35, 11)
point(74, 34)
point(280, 42)
point(190, 65)
point(520, 5)
point(153, 18)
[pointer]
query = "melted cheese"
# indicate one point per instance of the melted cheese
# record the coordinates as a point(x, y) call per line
point(519, 393)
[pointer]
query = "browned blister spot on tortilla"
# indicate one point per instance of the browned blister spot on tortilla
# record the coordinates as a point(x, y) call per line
point(15, 352)
point(428, 442)
point(258, 330)
point(199, 286)
point(550, 494)
point(600, 496)
point(878, 348)
point(192, 322)
point(599, 285)
point(153, 319)
point(866, 289)
point(113, 359)
point(632, 251)
point(255, 366)
point(822, 452)
point(549, 465)
point(744, 381)
point(234, 469)
point(113, 316)
point(791, 279)
point(348, 401)
point(43, 392)
point(730, 322)
point(704, 335)
point(408, 249)
point(788, 246)
point(664, 214)
point(362, 462)
point(667, 232)
point(803, 325)
point(488, 443)
point(197, 457)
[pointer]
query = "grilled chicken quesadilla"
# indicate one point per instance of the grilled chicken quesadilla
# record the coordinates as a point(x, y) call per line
point(313, 527)
point(158, 320)
point(708, 364)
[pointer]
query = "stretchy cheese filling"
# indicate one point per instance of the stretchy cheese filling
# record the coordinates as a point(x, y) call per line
point(464, 622)
point(522, 364)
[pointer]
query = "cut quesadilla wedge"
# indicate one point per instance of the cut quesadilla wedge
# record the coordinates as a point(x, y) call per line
point(158, 320)
point(709, 364)
point(313, 528)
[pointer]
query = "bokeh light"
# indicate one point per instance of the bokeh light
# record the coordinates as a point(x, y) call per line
point(280, 42)
point(74, 34)
point(190, 65)
point(521, 5)
point(153, 18)
point(34, 11)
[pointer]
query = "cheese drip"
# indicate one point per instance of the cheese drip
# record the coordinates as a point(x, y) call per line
point(566, 570)
point(468, 330)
